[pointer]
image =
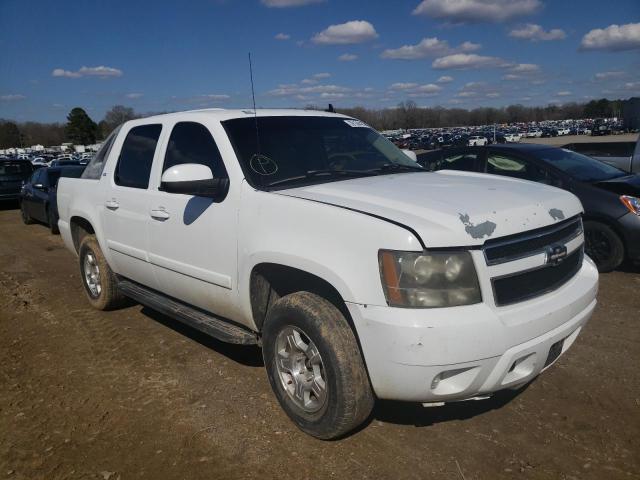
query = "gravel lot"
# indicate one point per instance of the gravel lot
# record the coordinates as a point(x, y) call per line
point(132, 394)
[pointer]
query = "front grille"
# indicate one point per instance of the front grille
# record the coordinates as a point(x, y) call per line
point(521, 286)
point(530, 243)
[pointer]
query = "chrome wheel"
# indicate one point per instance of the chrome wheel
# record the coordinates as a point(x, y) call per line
point(92, 274)
point(300, 369)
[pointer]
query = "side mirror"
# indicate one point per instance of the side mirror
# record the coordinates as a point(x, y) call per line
point(411, 154)
point(39, 186)
point(194, 179)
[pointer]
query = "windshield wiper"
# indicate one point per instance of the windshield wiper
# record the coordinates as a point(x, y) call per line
point(325, 172)
point(397, 167)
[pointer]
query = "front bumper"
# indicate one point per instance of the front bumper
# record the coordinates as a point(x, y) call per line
point(435, 355)
point(630, 227)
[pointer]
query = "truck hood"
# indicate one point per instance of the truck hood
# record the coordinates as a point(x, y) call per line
point(449, 208)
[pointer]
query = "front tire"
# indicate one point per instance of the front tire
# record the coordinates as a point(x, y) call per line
point(314, 366)
point(99, 282)
point(603, 245)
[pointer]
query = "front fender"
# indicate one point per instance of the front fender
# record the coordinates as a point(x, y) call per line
point(337, 245)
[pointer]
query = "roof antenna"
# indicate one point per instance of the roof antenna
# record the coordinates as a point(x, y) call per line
point(255, 112)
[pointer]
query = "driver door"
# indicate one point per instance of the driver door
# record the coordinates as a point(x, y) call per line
point(192, 240)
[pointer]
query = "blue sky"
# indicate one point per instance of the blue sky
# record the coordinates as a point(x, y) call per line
point(167, 56)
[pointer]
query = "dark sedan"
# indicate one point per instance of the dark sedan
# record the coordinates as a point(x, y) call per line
point(38, 195)
point(610, 196)
point(12, 175)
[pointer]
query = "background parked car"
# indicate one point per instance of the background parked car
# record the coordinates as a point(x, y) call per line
point(38, 195)
point(12, 174)
point(477, 141)
point(610, 196)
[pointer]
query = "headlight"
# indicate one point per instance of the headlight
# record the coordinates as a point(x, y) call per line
point(632, 203)
point(428, 279)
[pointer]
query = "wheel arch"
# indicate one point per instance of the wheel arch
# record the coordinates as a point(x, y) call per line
point(80, 227)
point(270, 281)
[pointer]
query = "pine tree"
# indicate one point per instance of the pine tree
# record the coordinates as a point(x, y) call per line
point(80, 129)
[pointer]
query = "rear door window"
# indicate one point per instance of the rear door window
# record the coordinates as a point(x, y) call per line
point(136, 157)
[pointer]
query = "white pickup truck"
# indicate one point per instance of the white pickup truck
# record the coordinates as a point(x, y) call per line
point(360, 274)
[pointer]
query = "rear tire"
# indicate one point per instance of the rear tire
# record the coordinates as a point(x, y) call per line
point(314, 366)
point(603, 245)
point(99, 282)
point(26, 218)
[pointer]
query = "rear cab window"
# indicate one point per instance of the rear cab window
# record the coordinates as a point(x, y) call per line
point(96, 165)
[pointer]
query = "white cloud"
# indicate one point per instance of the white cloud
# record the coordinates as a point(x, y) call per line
point(403, 86)
point(347, 57)
point(521, 71)
point(466, 94)
point(564, 93)
point(101, 71)
point(288, 3)
point(427, 47)
point(12, 97)
point(614, 38)
point(608, 75)
point(632, 86)
point(492, 95)
point(282, 36)
point(525, 68)
point(215, 97)
point(445, 79)
point(355, 31)
point(134, 95)
point(416, 90)
point(473, 11)
point(536, 33)
point(290, 90)
point(466, 61)
point(321, 75)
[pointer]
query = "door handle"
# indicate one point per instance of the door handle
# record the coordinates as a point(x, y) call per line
point(159, 214)
point(112, 204)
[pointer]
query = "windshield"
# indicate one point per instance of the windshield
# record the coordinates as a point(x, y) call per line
point(580, 167)
point(305, 150)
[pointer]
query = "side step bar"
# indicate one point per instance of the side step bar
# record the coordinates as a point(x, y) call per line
point(205, 322)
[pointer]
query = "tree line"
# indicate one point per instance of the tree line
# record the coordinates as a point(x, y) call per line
point(80, 129)
point(409, 115)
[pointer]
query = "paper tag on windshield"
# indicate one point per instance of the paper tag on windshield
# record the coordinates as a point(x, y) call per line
point(356, 123)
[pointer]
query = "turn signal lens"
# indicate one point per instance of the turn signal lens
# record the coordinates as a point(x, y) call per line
point(632, 203)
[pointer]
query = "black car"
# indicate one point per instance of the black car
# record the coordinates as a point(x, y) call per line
point(12, 175)
point(610, 197)
point(38, 195)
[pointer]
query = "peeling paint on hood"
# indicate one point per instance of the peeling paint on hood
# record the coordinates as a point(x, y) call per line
point(431, 203)
point(477, 230)
point(556, 214)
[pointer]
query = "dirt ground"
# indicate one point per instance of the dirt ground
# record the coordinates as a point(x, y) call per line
point(132, 394)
